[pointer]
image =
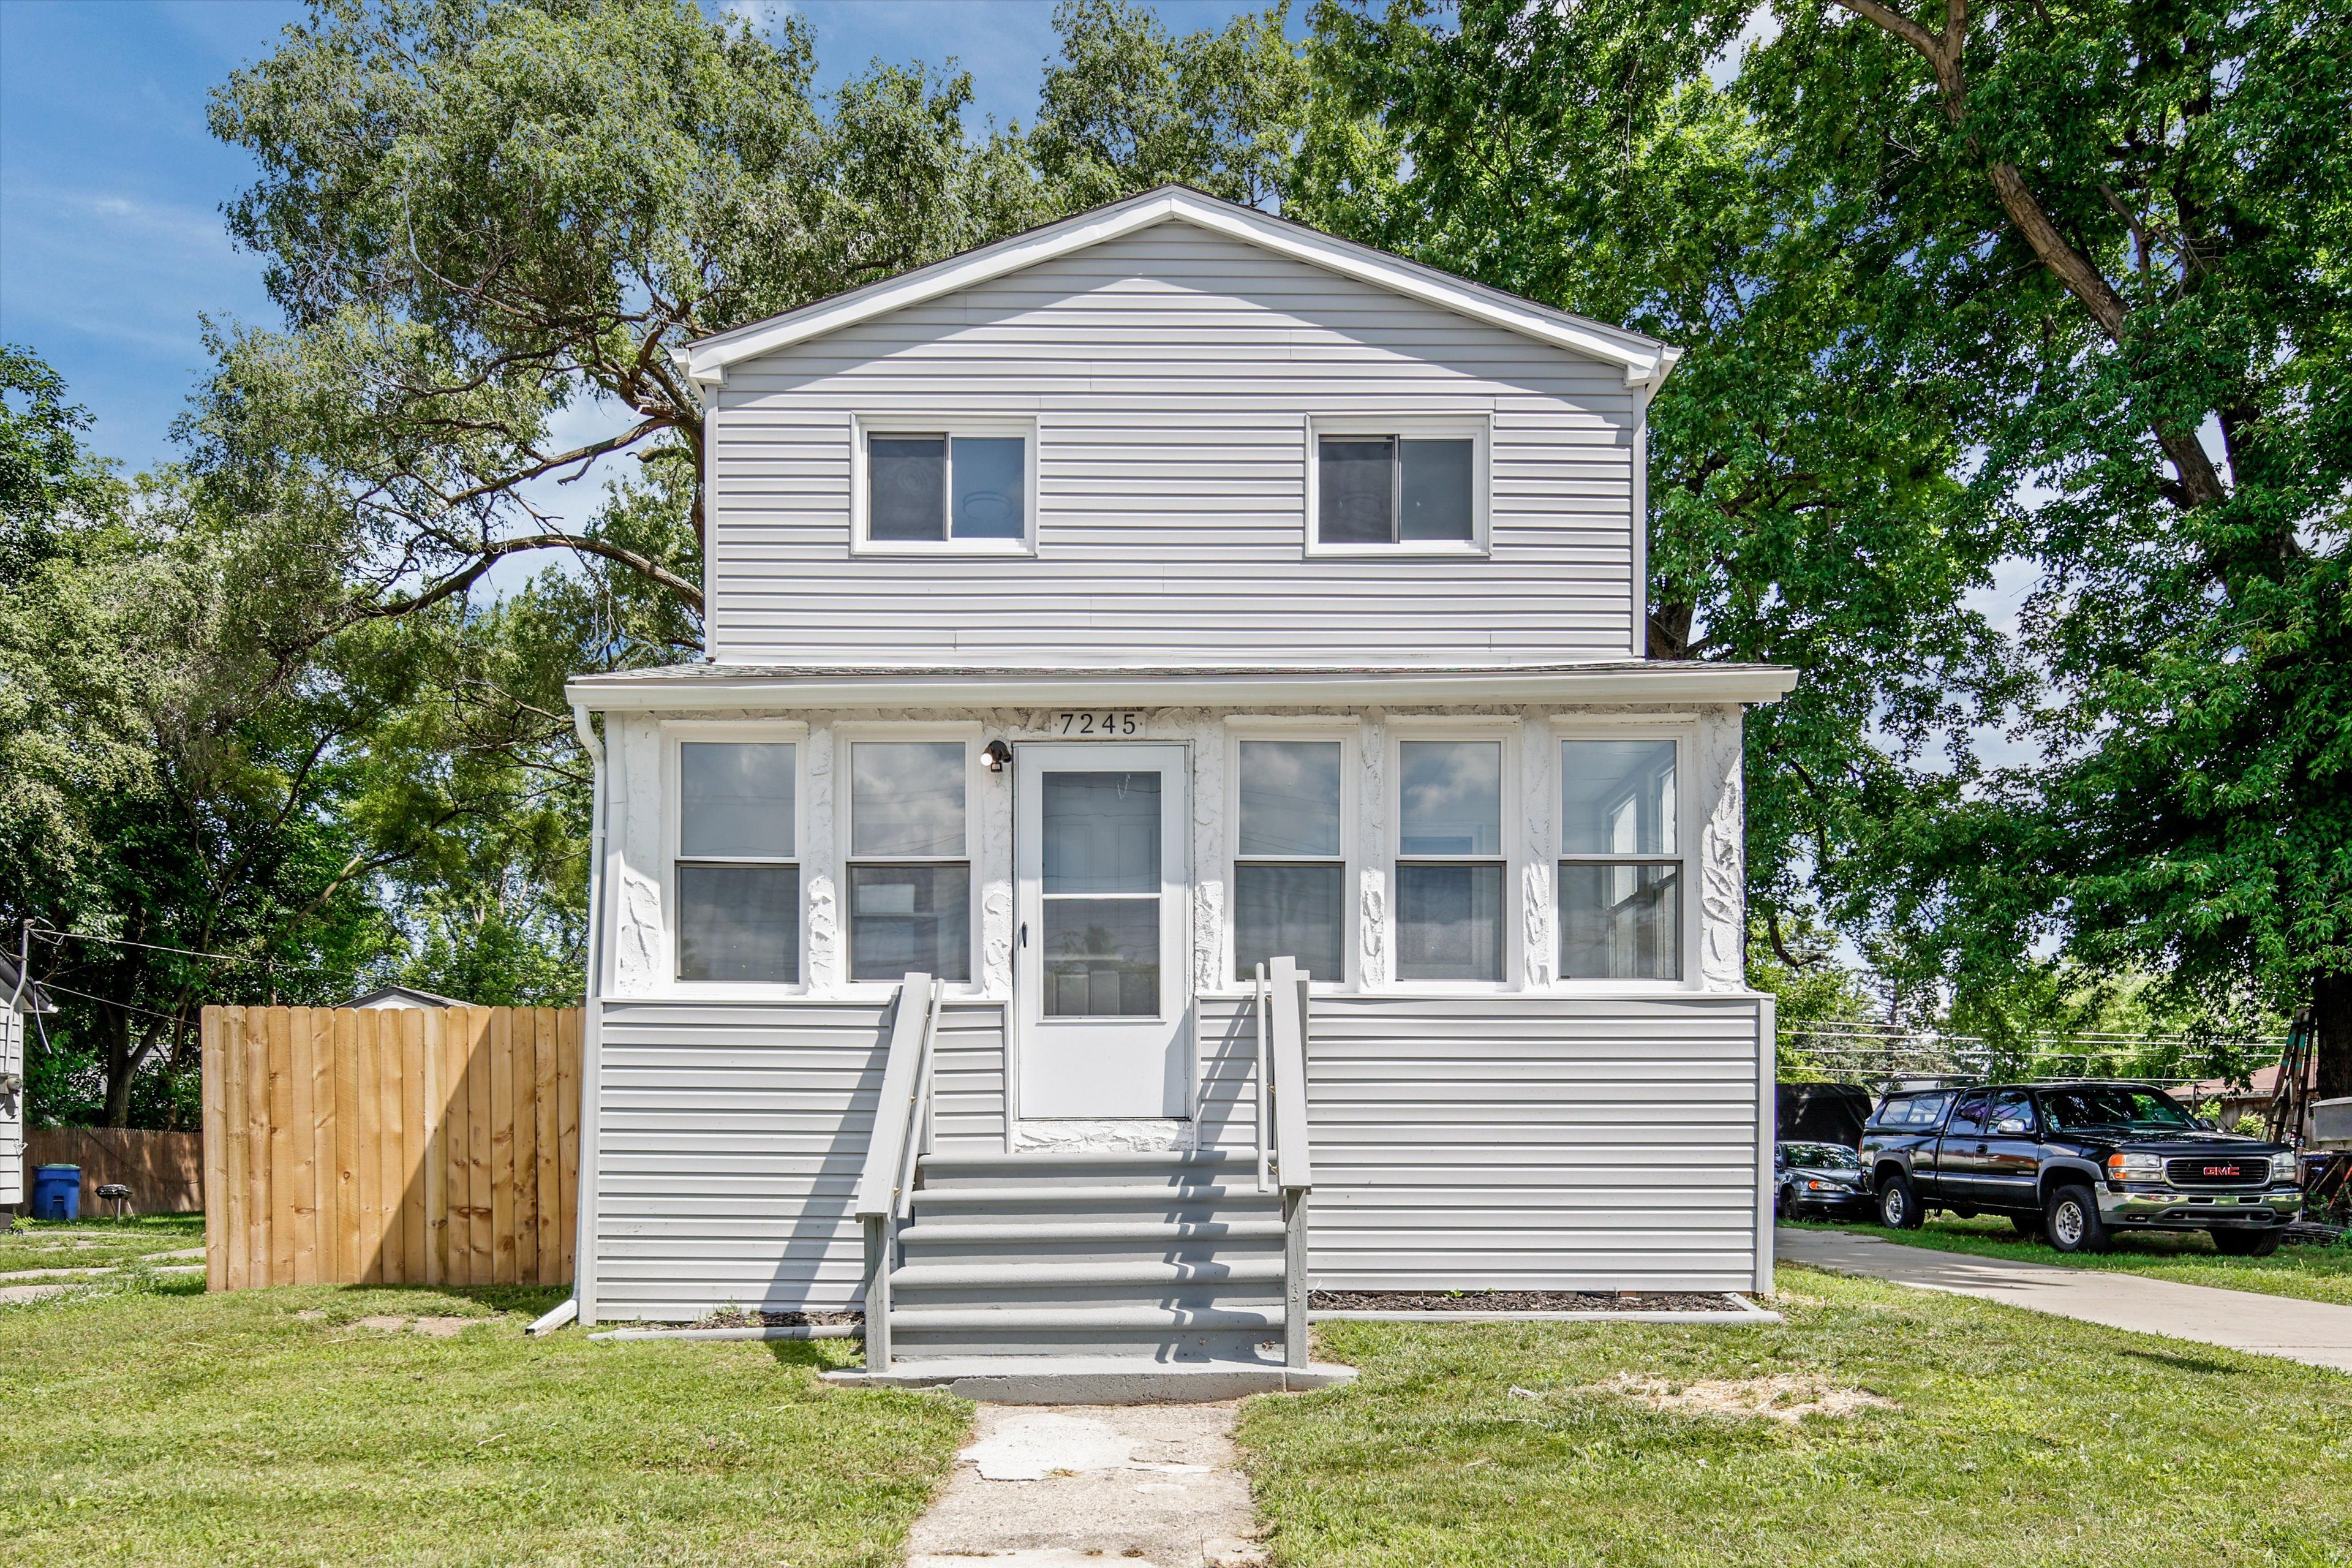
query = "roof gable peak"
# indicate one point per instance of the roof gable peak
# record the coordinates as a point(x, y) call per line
point(1644, 361)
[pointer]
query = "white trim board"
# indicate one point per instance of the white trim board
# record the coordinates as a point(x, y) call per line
point(1644, 361)
point(758, 688)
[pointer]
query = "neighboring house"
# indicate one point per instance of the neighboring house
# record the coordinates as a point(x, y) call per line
point(404, 996)
point(19, 1000)
point(1091, 618)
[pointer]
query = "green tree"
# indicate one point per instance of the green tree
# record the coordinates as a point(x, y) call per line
point(2121, 225)
point(1128, 106)
point(479, 216)
point(1806, 503)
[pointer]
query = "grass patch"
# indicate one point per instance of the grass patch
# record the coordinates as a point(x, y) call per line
point(2011, 1440)
point(2311, 1273)
point(156, 1425)
point(96, 1243)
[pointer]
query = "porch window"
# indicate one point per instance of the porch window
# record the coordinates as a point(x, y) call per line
point(1395, 490)
point(910, 864)
point(738, 876)
point(1289, 872)
point(940, 489)
point(1620, 874)
point(1450, 866)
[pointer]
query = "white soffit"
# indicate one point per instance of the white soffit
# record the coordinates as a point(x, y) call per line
point(1644, 361)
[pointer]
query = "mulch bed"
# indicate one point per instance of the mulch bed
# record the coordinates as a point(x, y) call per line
point(1517, 1301)
point(735, 1317)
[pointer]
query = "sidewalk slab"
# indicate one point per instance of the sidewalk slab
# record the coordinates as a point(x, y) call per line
point(1156, 1485)
point(2317, 1333)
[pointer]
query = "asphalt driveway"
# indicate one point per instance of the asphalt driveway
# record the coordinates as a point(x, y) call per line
point(2315, 1332)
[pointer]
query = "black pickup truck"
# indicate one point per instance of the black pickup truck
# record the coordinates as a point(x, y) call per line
point(2077, 1160)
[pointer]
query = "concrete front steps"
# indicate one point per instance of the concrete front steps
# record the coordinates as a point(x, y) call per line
point(1079, 1276)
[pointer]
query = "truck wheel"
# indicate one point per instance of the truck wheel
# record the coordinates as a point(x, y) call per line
point(2246, 1243)
point(1898, 1204)
point(2072, 1221)
point(1781, 1204)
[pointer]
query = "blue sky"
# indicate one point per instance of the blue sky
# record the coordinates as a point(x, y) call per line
point(111, 246)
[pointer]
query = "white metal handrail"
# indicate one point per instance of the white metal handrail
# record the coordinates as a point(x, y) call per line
point(1265, 1089)
point(902, 1131)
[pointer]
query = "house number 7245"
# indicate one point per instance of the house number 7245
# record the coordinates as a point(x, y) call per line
point(1111, 723)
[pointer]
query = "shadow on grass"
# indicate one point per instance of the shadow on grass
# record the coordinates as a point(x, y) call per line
point(2186, 1363)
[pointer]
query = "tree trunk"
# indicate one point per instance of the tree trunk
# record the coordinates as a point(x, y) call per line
point(120, 1061)
point(2331, 1017)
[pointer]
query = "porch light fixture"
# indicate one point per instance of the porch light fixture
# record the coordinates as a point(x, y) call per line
point(994, 756)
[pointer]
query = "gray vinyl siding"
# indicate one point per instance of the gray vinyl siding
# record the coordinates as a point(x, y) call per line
point(1508, 1142)
point(730, 1142)
point(1519, 1142)
point(1170, 373)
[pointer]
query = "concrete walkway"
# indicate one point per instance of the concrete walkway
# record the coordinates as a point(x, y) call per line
point(2315, 1332)
point(1078, 1486)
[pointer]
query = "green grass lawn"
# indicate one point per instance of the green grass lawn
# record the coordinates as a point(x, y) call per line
point(149, 1424)
point(94, 1243)
point(2313, 1273)
point(2015, 1439)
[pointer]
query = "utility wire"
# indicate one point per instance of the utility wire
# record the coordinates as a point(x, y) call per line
point(56, 936)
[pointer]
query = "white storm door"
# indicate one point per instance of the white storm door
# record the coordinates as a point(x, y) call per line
point(1102, 938)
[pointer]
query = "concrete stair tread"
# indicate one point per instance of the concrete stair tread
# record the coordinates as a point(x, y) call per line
point(1173, 1231)
point(1096, 1380)
point(1131, 1315)
point(1045, 1276)
point(1189, 1196)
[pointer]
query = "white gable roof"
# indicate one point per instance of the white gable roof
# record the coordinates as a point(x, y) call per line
point(1645, 361)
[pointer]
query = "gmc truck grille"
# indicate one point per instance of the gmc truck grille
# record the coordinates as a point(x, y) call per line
point(2196, 1172)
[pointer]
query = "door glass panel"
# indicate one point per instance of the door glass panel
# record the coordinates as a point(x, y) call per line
point(1101, 958)
point(1101, 833)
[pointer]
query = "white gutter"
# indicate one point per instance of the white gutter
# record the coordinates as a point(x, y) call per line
point(584, 1251)
point(1649, 681)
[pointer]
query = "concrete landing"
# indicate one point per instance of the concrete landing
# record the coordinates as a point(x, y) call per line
point(1078, 1487)
point(2315, 1332)
point(1097, 1380)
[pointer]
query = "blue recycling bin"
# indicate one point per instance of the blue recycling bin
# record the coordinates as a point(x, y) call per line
point(56, 1192)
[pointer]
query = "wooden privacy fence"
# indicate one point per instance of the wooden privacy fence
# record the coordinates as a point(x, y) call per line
point(394, 1146)
point(165, 1171)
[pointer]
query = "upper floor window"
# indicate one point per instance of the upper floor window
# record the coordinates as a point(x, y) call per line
point(1290, 881)
point(737, 877)
point(910, 860)
point(1620, 873)
point(1450, 869)
point(1409, 490)
point(946, 489)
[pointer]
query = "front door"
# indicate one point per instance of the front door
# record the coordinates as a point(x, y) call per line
point(1102, 930)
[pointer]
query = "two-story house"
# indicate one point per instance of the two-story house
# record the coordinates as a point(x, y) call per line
point(1109, 627)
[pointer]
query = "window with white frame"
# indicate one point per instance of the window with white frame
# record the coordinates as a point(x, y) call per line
point(1290, 893)
point(1450, 867)
point(1620, 874)
point(947, 488)
point(737, 878)
point(910, 860)
point(1396, 490)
